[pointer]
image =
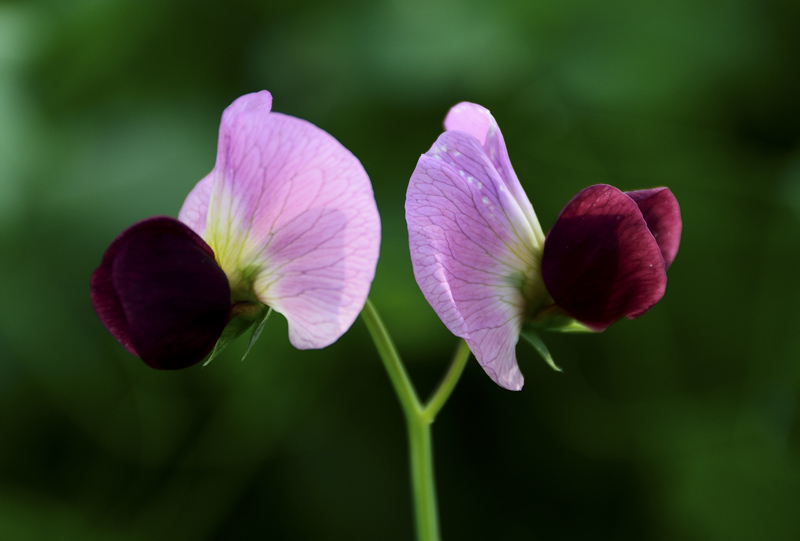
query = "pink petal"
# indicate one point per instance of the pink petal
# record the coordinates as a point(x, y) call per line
point(473, 250)
point(293, 207)
point(663, 216)
point(195, 208)
point(479, 122)
point(601, 262)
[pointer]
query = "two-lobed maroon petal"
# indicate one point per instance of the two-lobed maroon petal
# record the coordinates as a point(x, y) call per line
point(607, 254)
point(161, 294)
point(663, 216)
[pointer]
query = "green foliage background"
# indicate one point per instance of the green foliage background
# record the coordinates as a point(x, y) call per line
point(680, 425)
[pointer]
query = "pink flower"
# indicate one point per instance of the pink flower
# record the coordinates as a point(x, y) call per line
point(483, 263)
point(287, 217)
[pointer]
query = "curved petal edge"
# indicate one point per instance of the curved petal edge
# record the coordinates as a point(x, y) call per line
point(662, 213)
point(472, 251)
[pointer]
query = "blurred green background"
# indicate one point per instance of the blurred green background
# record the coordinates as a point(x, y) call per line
point(680, 425)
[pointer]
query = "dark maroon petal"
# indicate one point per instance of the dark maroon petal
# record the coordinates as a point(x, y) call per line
point(105, 300)
point(663, 216)
point(600, 260)
point(161, 294)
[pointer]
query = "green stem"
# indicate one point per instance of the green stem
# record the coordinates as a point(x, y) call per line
point(448, 383)
point(418, 420)
point(423, 482)
point(391, 360)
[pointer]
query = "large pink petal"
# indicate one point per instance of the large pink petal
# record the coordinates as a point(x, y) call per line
point(601, 262)
point(663, 216)
point(293, 210)
point(479, 122)
point(472, 250)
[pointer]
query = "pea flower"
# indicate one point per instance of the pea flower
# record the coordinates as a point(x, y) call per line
point(483, 263)
point(285, 221)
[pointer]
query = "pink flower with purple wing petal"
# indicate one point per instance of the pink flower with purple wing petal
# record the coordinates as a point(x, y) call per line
point(483, 263)
point(287, 215)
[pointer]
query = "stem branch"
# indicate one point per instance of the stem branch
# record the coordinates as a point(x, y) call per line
point(418, 420)
point(448, 383)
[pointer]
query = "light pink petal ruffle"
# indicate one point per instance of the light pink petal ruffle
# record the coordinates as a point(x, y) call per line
point(292, 209)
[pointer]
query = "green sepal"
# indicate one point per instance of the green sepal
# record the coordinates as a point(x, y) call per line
point(554, 319)
point(258, 326)
point(243, 317)
point(572, 326)
point(537, 343)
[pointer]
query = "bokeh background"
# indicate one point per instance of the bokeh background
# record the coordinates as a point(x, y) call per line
point(680, 425)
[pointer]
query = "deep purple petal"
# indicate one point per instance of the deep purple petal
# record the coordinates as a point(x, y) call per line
point(472, 250)
point(663, 216)
point(600, 260)
point(161, 294)
point(104, 296)
point(292, 210)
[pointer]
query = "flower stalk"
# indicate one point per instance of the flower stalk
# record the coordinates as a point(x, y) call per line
point(419, 419)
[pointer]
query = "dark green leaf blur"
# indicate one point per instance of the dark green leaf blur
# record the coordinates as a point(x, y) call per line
point(680, 425)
